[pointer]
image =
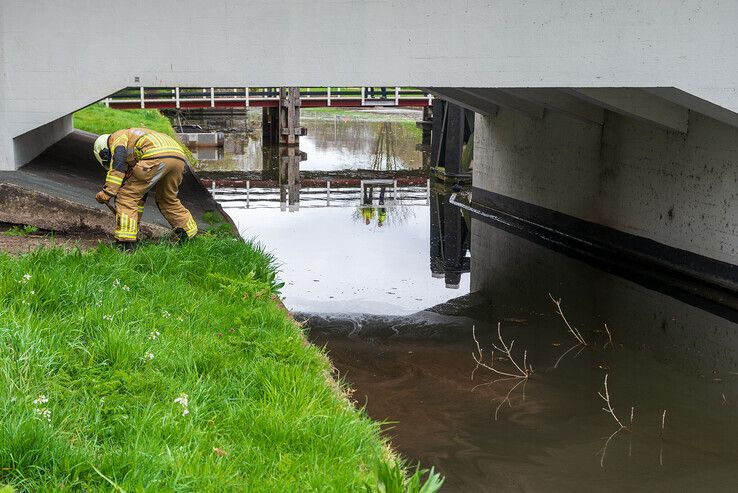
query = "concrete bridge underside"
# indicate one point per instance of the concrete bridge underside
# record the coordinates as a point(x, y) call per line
point(612, 118)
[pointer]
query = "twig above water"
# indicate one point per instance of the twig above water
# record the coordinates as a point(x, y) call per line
point(609, 337)
point(574, 331)
point(521, 371)
point(609, 409)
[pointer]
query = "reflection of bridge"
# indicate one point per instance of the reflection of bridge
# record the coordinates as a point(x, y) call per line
point(265, 97)
point(308, 193)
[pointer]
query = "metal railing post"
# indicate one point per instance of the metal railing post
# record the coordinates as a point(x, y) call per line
point(248, 193)
point(397, 96)
point(329, 95)
point(247, 98)
point(363, 93)
point(176, 96)
point(141, 92)
point(212, 97)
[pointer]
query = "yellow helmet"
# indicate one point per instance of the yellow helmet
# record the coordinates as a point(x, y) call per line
point(102, 153)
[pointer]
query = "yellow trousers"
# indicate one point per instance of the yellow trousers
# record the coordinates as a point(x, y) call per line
point(165, 175)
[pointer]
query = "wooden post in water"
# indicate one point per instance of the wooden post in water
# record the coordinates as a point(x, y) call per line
point(289, 116)
point(289, 141)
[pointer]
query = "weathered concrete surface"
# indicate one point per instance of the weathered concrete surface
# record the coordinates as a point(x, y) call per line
point(678, 190)
point(56, 56)
point(56, 191)
point(22, 205)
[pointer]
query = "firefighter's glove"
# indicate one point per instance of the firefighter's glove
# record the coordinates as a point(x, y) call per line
point(103, 197)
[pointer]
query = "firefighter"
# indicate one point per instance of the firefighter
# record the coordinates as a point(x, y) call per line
point(137, 160)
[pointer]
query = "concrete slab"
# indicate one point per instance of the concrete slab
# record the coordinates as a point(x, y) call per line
point(67, 175)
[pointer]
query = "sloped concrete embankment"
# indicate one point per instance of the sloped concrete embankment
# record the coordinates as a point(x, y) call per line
point(56, 192)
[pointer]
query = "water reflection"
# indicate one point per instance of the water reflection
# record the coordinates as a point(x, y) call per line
point(358, 252)
point(550, 433)
point(382, 249)
point(333, 143)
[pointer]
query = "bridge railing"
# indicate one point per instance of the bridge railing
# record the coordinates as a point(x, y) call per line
point(203, 97)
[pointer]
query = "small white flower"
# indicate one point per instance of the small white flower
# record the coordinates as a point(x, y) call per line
point(33, 291)
point(148, 355)
point(116, 283)
point(25, 279)
point(184, 401)
point(109, 318)
point(44, 413)
point(165, 314)
point(180, 319)
point(154, 335)
point(41, 399)
point(125, 288)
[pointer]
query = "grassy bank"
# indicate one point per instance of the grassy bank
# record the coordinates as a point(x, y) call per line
point(406, 119)
point(170, 369)
point(99, 119)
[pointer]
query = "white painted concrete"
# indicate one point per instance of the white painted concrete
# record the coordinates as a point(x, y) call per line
point(56, 57)
point(32, 143)
point(679, 190)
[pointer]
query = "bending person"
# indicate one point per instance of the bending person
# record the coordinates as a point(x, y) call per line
point(137, 160)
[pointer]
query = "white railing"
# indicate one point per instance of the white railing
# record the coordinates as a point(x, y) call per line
point(255, 96)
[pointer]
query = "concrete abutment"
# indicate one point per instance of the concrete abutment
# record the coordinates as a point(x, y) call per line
point(635, 188)
point(27, 146)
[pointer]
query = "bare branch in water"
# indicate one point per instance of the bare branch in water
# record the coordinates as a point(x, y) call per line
point(521, 372)
point(606, 397)
point(663, 422)
point(577, 345)
point(572, 329)
point(609, 337)
point(521, 381)
point(603, 450)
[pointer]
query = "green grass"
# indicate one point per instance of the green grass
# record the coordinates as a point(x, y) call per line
point(404, 119)
point(24, 230)
point(330, 113)
point(112, 340)
point(99, 119)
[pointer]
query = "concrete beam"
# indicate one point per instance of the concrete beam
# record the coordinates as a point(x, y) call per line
point(560, 102)
point(465, 100)
point(694, 103)
point(637, 104)
point(502, 98)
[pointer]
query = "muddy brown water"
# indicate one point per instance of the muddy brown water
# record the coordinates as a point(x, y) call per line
point(368, 296)
point(485, 432)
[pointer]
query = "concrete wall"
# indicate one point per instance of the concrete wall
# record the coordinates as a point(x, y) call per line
point(523, 273)
point(30, 144)
point(60, 56)
point(676, 189)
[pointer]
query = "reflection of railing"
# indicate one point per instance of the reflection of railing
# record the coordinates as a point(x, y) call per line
point(239, 97)
point(315, 195)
